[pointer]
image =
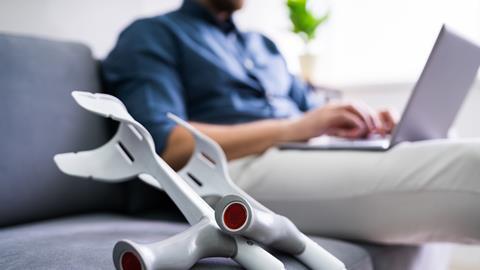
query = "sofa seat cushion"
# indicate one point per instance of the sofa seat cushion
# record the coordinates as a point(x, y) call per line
point(86, 242)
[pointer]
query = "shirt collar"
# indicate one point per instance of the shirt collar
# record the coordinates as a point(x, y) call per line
point(195, 9)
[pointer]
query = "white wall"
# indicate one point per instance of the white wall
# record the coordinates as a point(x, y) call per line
point(366, 41)
point(390, 40)
point(94, 22)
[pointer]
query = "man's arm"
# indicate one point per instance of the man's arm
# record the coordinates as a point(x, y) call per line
point(236, 140)
point(344, 120)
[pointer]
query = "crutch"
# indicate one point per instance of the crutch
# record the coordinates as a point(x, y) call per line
point(239, 214)
point(131, 153)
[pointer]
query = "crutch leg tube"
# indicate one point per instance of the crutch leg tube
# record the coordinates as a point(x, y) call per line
point(235, 215)
point(252, 256)
point(317, 257)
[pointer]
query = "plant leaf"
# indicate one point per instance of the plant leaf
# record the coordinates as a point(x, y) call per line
point(303, 20)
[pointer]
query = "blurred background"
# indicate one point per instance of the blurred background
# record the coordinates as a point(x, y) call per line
point(369, 49)
point(356, 45)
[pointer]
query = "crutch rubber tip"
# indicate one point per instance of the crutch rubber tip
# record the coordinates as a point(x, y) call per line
point(130, 261)
point(235, 216)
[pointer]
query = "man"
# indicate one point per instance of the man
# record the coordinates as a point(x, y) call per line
point(235, 87)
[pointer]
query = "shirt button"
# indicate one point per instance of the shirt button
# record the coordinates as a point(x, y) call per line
point(248, 64)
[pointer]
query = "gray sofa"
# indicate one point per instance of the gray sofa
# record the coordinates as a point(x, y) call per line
point(52, 221)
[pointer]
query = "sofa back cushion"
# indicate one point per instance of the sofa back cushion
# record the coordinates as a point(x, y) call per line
point(38, 119)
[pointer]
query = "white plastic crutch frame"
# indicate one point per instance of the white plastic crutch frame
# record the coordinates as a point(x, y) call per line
point(207, 173)
point(131, 153)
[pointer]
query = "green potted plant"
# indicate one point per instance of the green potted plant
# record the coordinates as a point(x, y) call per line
point(305, 23)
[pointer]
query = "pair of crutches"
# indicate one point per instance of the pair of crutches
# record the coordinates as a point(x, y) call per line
point(226, 231)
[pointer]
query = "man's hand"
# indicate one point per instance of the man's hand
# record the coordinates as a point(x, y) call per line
point(346, 120)
point(388, 119)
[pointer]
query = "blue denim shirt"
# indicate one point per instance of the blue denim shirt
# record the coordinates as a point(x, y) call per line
point(188, 63)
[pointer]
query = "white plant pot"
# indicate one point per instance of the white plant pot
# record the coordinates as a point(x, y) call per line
point(309, 65)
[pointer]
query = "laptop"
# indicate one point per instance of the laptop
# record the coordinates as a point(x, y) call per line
point(434, 103)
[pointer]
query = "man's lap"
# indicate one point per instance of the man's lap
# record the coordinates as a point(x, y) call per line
point(373, 189)
point(436, 164)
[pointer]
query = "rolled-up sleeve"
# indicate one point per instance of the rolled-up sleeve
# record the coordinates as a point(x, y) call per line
point(142, 71)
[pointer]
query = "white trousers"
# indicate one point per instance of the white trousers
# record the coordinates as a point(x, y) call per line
point(414, 193)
